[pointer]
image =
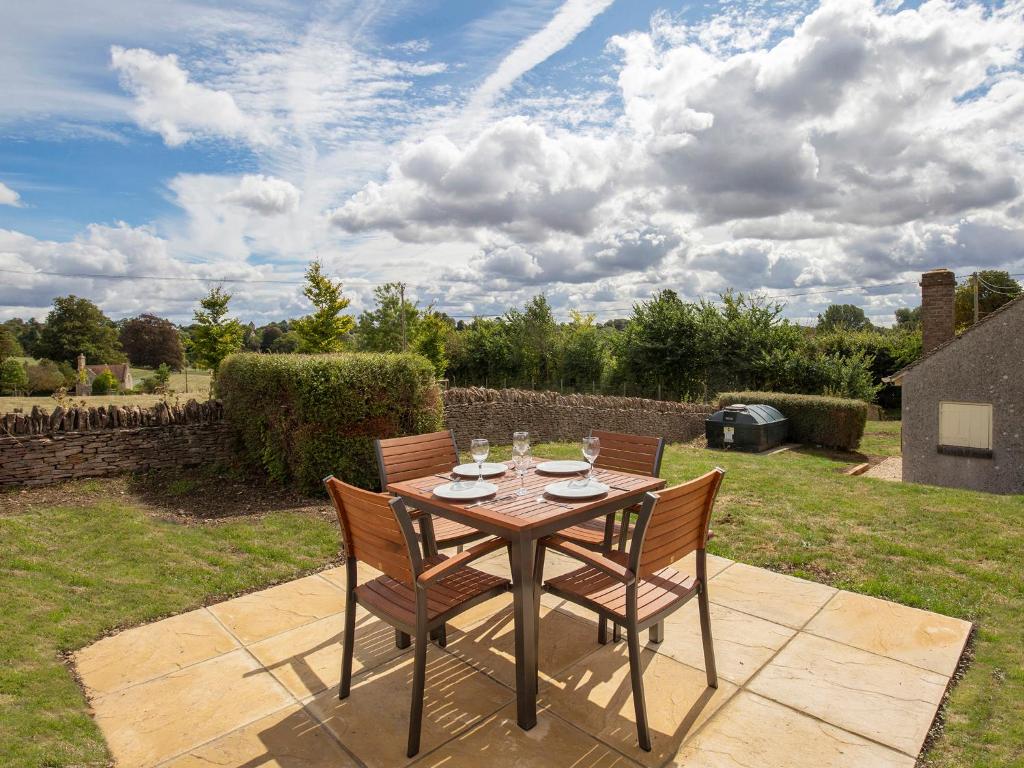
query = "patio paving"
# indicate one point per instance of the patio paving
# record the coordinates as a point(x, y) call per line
point(808, 676)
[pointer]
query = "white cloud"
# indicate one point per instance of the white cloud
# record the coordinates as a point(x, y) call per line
point(569, 20)
point(829, 149)
point(265, 195)
point(9, 197)
point(179, 110)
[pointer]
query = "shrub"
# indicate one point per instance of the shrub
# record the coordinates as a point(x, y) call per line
point(104, 384)
point(302, 417)
point(44, 377)
point(829, 421)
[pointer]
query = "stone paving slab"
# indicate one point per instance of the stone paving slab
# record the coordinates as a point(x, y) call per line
point(808, 676)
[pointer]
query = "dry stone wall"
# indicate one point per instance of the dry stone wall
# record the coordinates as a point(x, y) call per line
point(43, 447)
point(549, 416)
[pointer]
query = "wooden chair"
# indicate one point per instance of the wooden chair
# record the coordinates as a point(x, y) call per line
point(638, 589)
point(415, 595)
point(406, 458)
point(622, 452)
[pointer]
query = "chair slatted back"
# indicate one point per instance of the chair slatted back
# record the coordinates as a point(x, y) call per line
point(639, 454)
point(373, 532)
point(678, 522)
point(406, 458)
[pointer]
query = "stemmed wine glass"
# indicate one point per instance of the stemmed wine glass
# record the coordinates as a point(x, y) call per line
point(521, 458)
point(478, 449)
point(591, 450)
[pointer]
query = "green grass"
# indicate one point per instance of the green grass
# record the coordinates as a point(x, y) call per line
point(881, 438)
point(74, 570)
point(70, 573)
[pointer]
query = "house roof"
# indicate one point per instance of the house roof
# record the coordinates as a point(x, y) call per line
point(897, 377)
point(119, 370)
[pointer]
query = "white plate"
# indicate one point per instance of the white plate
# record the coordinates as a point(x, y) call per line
point(576, 489)
point(563, 467)
point(491, 469)
point(464, 490)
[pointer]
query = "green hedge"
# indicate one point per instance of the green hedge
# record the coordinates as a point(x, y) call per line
point(302, 417)
point(833, 422)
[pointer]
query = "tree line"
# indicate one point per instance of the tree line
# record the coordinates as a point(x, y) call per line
point(667, 348)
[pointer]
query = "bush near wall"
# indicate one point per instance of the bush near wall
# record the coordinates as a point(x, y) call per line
point(833, 422)
point(302, 417)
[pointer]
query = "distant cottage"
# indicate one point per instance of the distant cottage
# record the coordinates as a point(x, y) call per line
point(121, 372)
point(963, 401)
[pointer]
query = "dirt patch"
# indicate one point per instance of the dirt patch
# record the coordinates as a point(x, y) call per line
point(890, 468)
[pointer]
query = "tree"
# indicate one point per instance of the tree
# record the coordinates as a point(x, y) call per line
point(286, 343)
point(9, 346)
point(151, 341)
point(533, 331)
point(215, 335)
point(381, 329)
point(430, 339)
point(268, 335)
point(27, 334)
point(848, 316)
point(908, 319)
point(13, 378)
point(76, 326)
point(582, 363)
point(326, 328)
point(44, 377)
point(995, 288)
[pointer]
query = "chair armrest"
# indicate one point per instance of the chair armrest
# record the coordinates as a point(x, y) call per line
point(460, 560)
point(585, 556)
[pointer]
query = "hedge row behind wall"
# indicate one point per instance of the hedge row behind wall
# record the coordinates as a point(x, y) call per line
point(833, 422)
point(302, 417)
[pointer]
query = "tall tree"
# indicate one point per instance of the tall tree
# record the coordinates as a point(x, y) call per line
point(533, 331)
point(75, 326)
point(326, 328)
point(150, 341)
point(908, 319)
point(388, 326)
point(431, 335)
point(9, 346)
point(848, 316)
point(583, 354)
point(995, 288)
point(215, 335)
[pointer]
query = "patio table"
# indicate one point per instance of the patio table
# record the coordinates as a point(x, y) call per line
point(521, 521)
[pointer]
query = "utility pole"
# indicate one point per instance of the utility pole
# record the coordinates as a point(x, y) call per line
point(975, 297)
point(401, 293)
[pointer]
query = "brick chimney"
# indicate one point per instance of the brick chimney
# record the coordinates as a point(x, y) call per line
point(938, 290)
point(81, 362)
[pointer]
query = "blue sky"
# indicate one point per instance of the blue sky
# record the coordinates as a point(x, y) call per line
point(596, 150)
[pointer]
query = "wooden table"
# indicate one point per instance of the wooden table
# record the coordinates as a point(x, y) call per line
point(521, 521)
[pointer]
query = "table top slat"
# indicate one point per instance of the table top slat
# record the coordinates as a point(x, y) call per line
point(518, 513)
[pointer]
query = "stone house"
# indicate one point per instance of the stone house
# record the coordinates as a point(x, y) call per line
point(963, 401)
point(121, 371)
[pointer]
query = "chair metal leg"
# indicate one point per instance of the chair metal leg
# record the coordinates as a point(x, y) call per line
point(440, 636)
point(616, 632)
point(602, 631)
point(705, 637)
point(402, 640)
point(348, 648)
point(419, 675)
point(627, 517)
point(657, 632)
point(637, 679)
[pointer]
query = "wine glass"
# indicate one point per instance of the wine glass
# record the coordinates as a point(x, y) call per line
point(591, 450)
point(521, 458)
point(478, 449)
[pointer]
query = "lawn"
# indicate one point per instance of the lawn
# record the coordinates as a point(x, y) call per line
point(85, 559)
point(198, 387)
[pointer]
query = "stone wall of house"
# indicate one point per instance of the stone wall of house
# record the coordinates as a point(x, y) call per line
point(42, 447)
point(548, 416)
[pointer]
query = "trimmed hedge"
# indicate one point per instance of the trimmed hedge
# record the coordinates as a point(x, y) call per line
point(833, 422)
point(302, 417)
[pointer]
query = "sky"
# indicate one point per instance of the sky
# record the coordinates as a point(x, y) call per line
point(597, 151)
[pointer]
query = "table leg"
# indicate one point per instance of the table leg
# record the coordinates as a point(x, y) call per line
point(524, 589)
